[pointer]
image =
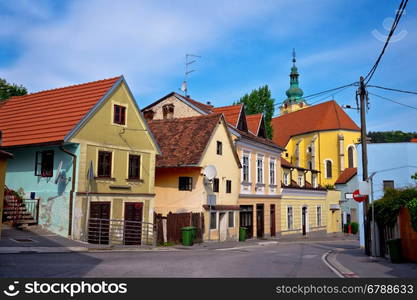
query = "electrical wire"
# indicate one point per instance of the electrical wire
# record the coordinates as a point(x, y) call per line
point(397, 19)
point(392, 89)
point(394, 101)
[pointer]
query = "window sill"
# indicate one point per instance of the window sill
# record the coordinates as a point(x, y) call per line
point(246, 183)
point(105, 178)
point(260, 185)
point(135, 180)
point(273, 186)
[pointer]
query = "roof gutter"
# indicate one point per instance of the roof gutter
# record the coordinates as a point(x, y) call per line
point(74, 174)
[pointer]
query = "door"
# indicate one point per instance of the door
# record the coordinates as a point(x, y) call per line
point(99, 223)
point(272, 213)
point(246, 219)
point(132, 233)
point(222, 226)
point(260, 220)
point(304, 220)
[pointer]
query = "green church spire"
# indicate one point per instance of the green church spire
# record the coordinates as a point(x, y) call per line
point(294, 93)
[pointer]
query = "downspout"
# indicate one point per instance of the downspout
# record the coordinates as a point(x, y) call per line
point(71, 199)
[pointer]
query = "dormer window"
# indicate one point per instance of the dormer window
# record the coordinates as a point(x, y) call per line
point(119, 115)
point(168, 111)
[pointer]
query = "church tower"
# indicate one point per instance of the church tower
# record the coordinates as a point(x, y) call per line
point(294, 99)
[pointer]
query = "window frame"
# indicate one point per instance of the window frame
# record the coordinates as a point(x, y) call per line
point(318, 216)
point(129, 176)
point(245, 167)
point(43, 167)
point(228, 186)
point(219, 148)
point(216, 185)
point(122, 114)
point(185, 186)
point(99, 167)
point(326, 161)
point(290, 217)
point(300, 180)
point(286, 179)
point(213, 213)
point(351, 157)
point(272, 172)
point(231, 216)
point(260, 169)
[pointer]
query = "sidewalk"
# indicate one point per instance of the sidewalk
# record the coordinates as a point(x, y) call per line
point(362, 265)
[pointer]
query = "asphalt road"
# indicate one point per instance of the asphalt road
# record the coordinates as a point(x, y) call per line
point(277, 260)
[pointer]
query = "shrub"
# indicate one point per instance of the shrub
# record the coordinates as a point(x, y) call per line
point(412, 209)
point(355, 227)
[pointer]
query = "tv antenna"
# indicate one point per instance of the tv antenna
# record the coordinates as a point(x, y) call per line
point(189, 59)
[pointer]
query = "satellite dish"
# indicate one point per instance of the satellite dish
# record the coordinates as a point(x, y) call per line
point(58, 172)
point(210, 172)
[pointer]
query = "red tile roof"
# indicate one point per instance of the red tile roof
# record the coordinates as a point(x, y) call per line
point(231, 113)
point(204, 107)
point(324, 116)
point(183, 140)
point(346, 175)
point(413, 140)
point(254, 121)
point(48, 116)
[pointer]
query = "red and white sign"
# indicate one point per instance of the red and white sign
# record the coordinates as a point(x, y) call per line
point(358, 197)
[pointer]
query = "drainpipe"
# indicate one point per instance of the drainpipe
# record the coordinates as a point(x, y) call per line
point(71, 199)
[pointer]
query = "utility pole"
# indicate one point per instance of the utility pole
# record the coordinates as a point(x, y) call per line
point(363, 105)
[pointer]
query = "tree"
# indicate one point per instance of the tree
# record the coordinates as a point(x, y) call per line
point(8, 90)
point(260, 101)
point(391, 136)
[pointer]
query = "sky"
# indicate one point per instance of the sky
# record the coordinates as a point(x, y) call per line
point(243, 45)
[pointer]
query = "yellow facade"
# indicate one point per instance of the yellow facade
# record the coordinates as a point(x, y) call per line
point(170, 199)
point(322, 146)
point(100, 133)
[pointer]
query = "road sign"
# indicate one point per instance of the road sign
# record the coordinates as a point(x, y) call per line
point(358, 197)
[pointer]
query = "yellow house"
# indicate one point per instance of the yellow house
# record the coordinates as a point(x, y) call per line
point(4, 156)
point(259, 180)
point(190, 146)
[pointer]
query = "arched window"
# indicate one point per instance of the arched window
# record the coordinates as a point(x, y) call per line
point(328, 169)
point(350, 157)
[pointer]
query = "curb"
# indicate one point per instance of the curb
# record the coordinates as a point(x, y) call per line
point(329, 259)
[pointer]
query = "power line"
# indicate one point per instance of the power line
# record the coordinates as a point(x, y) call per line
point(394, 101)
point(330, 90)
point(398, 16)
point(392, 89)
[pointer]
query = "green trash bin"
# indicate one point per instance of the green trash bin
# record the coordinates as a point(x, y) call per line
point(242, 234)
point(187, 235)
point(394, 247)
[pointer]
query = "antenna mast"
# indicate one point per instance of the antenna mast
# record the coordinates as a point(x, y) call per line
point(189, 59)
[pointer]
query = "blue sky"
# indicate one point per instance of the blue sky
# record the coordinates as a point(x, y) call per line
point(243, 44)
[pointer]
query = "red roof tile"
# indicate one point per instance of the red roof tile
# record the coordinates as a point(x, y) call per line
point(231, 113)
point(413, 140)
point(183, 140)
point(204, 107)
point(254, 121)
point(48, 116)
point(346, 175)
point(324, 116)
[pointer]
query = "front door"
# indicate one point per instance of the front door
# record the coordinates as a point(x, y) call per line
point(246, 219)
point(222, 227)
point(304, 220)
point(132, 234)
point(99, 223)
point(260, 220)
point(272, 210)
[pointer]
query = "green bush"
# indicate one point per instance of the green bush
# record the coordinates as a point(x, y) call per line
point(412, 209)
point(355, 227)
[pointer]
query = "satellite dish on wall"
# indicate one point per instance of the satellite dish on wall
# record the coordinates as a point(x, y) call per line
point(210, 172)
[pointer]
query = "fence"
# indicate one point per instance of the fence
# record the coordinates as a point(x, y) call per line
point(408, 236)
point(174, 222)
point(121, 232)
point(32, 206)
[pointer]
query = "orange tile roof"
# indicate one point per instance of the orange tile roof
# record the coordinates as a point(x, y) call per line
point(346, 175)
point(413, 140)
point(324, 116)
point(48, 116)
point(204, 107)
point(254, 122)
point(183, 140)
point(231, 113)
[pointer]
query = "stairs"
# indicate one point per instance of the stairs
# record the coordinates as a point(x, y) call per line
point(15, 211)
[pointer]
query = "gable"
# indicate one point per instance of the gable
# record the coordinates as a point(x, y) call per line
point(101, 129)
point(181, 108)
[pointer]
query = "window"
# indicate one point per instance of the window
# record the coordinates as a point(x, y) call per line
point(185, 183)
point(290, 222)
point(310, 165)
point(272, 172)
point(228, 186)
point(134, 166)
point(213, 220)
point(260, 170)
point(119, 116)
point(350, 157)
point(168, 111)
point(297, 154)
point(388, 184)
point(231, 219)
point(245, 168)
point(219, 149)
point(300, 180)
point(216, 185)
point(44, 163)
point(314, 176)
point(104, 164)
point(328, 169)
point(318, 216)
point(286, 179)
